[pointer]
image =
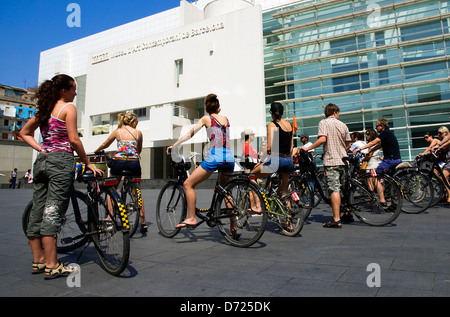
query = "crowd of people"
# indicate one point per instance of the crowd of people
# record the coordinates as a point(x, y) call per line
point(54, 167)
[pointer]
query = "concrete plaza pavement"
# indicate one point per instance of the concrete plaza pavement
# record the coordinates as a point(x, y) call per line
point(413, 255)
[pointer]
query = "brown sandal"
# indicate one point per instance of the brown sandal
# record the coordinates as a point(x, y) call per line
point(333, 224)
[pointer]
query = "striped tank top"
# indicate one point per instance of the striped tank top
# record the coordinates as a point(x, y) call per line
point(54, 135)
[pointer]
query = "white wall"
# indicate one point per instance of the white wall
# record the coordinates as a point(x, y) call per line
point(226, 60)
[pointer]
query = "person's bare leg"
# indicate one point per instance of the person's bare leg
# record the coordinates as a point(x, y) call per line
point(446, 175)
point(199, 175)
point(49, 244)
point(36, 250)
point(336, 206)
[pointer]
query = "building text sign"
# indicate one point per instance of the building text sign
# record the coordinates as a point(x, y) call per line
point(145, 45)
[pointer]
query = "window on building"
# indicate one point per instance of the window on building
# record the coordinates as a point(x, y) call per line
point(422, 30)
point(101, 124)
point(343, 45)
point(179, 71)
point(427, 71)
point(5, 122)
point(349, 82)
point(13, 93)
point(142, 112)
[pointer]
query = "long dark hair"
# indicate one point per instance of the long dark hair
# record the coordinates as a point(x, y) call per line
point(372, 133)
point(212, 104)
point(277, 110)
point(48, 94)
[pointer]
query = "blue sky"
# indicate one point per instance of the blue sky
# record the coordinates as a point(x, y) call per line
point(30, 27)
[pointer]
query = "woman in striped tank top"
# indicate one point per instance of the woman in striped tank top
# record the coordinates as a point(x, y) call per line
point(53, 170)
point(219, 154)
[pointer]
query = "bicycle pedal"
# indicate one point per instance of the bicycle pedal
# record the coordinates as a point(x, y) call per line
point(66, 240)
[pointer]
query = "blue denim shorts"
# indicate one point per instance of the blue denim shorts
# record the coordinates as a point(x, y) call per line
point(387, 165)
point(279, 164)
point(218, 157)
point(118, 166)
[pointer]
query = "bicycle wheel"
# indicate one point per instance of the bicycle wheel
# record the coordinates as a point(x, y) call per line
point(239, 225)
point(307, 199)
point(290, 220)
point(439, 189)
point(132, 199)
point(365, 196)
point(73, 228)
point(110, 231)
point(324, 183)
point(417, 191)
point(171, 209)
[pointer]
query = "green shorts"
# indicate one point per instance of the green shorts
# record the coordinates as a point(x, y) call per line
point(335, 178)
point(53, 175)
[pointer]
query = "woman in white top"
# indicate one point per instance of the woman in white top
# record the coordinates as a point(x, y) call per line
point(373, 155)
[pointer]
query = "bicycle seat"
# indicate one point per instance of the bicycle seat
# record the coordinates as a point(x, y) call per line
point(403, 165)
point(223, 169)
point(351, 159)
point(86, 177)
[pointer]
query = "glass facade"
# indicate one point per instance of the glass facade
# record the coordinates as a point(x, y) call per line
point(385, 58)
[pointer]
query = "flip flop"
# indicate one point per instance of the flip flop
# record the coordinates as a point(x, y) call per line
point(186, 225)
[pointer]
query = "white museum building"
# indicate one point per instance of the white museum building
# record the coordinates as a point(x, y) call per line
point(162, 67)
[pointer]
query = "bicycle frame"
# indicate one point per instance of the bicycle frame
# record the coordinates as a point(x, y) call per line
point(92, 192)
point(209, 217)
point(270, 193)
point(349, 181)
point(433, 158)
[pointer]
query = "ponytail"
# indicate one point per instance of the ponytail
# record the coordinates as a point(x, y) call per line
point(277, 110)
point(126, 119)
point(48, 94)
point(212, 103)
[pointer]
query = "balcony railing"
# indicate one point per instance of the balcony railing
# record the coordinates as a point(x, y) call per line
point(183, 112)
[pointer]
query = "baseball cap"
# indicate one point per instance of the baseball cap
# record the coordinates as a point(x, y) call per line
point(248, 132)
point(304, 135)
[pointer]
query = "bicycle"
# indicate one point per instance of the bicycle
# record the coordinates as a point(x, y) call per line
point(361, 196)
point(287, 211)
point(300, 172)
point(230, 208)
point(97, 216)
point(417, 189)
point(436, 175)
point(130, 193)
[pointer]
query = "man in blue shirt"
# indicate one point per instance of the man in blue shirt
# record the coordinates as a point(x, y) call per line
point(388, 142)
